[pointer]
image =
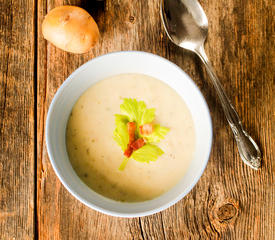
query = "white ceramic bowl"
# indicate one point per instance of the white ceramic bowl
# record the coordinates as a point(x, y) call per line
point(106, 66)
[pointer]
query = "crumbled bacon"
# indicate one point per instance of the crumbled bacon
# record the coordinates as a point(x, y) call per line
point(137, 144)
point(146, 129)
point(128, 152)
point(133, 145)
point(131, 131)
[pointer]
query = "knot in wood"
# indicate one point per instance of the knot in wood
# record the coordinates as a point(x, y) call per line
point(226, 212)
point(131, 19)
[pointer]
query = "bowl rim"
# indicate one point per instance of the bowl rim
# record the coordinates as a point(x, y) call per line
point(92, 205)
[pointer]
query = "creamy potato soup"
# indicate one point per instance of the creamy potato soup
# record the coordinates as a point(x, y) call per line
point(96, 157)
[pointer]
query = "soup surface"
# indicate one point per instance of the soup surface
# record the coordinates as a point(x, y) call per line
point(96, 157)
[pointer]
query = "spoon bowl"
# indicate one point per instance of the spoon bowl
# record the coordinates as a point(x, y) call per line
point(186, 25)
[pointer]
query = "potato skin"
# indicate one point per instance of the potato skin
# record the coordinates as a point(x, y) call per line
point(70, 28)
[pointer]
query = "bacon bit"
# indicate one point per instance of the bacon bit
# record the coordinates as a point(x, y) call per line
point(133, 144)
point(146, 129)
point(137, 144)
point(131, 131)
point(128, 152)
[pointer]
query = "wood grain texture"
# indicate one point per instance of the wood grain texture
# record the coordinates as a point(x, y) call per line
point(230, 201)
point(17, 119)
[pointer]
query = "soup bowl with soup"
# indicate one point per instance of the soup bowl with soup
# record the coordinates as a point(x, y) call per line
point(85, 156)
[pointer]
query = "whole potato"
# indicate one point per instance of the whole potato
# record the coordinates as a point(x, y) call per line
point(70, 28)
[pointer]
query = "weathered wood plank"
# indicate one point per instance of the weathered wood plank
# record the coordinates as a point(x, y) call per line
point(54, 201)
point(17, 119)
point(231, 201)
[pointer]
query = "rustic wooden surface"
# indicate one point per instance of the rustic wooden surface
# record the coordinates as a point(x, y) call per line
point(230, 201)
point(17, 119)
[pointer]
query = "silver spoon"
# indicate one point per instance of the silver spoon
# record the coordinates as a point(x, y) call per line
point(186, 25)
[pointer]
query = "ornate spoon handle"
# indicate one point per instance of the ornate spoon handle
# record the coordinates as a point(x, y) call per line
point(248, 149)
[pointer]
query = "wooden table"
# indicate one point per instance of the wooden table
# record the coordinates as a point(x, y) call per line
point(230, 201)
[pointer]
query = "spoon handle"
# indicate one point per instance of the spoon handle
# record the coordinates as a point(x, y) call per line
point(248, 149)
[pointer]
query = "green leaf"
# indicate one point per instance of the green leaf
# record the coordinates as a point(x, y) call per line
point(121, 118)
point(130, 108)
point(121, 133)
point(137, 111)
point(147, 116)
point(147, 153)
point(141, 108)
point(157, 135)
